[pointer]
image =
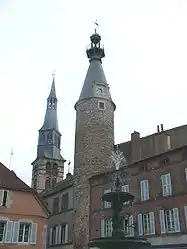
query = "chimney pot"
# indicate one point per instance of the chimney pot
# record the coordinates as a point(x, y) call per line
point(158, 128)
point(162, 127)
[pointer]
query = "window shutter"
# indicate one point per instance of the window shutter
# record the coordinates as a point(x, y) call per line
point(140, 226)
point(8, 200)
point(186, 174)
point(185, 214)
point(33, 236)
point(45, 237)
point(8, 233)
point(176, 219)
point(1, 197)
point(110, 230)
point(131, 226)
point(162, 222)
point(50, 236)
point(169, 183)
point(142, 190)
point(66, 233)
point(102, 228)
point(15, 232)
point(152, 222)
point(60, 234)
point(147, 189)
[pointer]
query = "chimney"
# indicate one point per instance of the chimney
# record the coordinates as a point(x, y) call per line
point(162, 127)
point(135, 146)
point(158, 128)
point(68, 176)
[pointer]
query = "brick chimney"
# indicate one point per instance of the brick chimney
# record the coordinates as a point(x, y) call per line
point(135, 146)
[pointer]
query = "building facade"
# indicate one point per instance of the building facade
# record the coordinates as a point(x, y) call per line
point(22, 214)
point(153, 169)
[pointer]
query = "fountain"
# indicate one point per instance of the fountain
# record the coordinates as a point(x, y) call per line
point(118, 240)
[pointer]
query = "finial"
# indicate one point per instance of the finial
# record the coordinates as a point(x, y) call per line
point(97, 25)
point(54, 73)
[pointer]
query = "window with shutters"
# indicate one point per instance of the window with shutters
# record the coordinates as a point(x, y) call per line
point(169, 220)
point(3, 198)
point(2, 230)
point(56, 205)
point(148, 223)
point(166, 185)
point(144, 188)
point(24, 232)
point(64, 202)
point(107, 204)
point(125, 188)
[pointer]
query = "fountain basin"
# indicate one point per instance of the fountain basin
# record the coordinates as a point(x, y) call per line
point(120, 243)
point(119, 197)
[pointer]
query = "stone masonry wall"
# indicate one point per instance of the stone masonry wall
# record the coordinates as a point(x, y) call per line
point(94, 141)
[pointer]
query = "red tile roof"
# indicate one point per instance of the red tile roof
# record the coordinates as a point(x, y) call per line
point(9, 180)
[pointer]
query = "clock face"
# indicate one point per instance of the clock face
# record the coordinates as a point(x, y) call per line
point(100, 91)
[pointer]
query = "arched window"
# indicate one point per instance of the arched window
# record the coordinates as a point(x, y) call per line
point(49, 138)
point(53, 183)
point(47, 183)
point(48, 168)
point(56, 140)
point(55, 169)
point(42, 138)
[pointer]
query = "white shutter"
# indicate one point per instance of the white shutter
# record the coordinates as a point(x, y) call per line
point(15, 232)
point(147, 189)
point(66, 233)
point(152, 222)
point(9, 230)
point(140, 225)
point(185, 214)
point(59, 234)
point(50, 236)
point(169, 184)
point(8, 200)
point(186, 174)
point(1, 197)
point(33, 236)
point(131, 226)
point(162, 222)
point(110, 230)
point(102, 228)
point(176, 219)
point(45, 237)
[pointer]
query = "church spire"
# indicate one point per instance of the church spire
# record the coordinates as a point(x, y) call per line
point(95, 83)
point(51, 120)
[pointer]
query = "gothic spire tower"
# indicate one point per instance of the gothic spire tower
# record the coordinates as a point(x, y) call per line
point(48, 168)
point(94, 137)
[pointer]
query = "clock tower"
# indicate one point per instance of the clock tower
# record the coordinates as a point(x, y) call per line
point(94, 137)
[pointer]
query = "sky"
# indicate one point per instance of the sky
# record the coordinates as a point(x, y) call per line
point(145, 66)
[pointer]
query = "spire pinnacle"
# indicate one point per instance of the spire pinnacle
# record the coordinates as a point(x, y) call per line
point(96, 26)
point(52, 94)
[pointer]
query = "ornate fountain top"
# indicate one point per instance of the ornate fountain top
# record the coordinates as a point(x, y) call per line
point(117, 158)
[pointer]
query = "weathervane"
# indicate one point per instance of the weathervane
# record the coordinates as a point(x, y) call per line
point(117, 158)
point(97, 25)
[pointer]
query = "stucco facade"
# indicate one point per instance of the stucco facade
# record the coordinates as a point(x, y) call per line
point(22, 216)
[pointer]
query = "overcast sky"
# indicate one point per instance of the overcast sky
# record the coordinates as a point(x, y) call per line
point(145, 65)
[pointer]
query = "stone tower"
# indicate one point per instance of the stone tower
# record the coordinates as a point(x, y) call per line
point(48, 168)
point(94, 137)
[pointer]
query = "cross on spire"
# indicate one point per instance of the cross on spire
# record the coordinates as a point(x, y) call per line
point(54, 73)
point(96, 26)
